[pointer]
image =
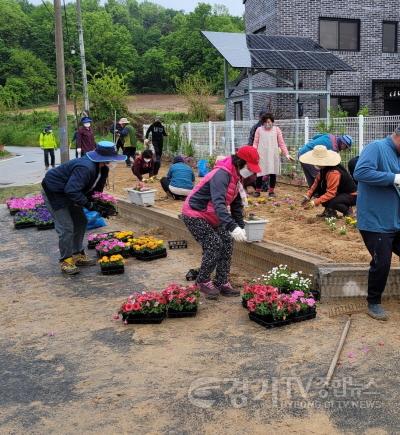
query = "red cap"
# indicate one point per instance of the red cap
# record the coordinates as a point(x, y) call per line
point(250, 155)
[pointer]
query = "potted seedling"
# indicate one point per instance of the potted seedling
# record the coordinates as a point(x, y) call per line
point(142, 195)
point(145, 307)
point(254, 227)
point(182, 301)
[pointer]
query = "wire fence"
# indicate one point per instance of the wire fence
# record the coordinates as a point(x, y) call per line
point(206, 139)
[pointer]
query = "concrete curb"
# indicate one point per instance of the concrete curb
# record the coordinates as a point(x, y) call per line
point(332, 279)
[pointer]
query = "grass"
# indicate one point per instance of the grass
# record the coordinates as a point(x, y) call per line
point(7, 192)
point(4, 154)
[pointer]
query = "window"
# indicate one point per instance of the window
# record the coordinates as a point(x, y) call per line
point(389, 37)
point(350, 104)
point(238, 111)
point(339, 34)
point(260, 31)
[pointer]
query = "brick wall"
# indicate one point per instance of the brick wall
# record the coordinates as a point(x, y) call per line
point(301, 18)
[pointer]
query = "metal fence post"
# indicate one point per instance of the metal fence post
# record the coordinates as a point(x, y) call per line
point(360, 133)
point(210, 137)
point(232, 136)
point(306, 129)
point(189, 132)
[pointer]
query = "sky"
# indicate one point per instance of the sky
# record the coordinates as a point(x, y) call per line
point(235, 7)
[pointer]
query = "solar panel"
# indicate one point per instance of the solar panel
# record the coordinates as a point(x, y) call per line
point(274, 52)
point(269, 59)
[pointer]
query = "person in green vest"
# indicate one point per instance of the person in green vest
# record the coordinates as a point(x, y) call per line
point(48, 143)
point(128, 135)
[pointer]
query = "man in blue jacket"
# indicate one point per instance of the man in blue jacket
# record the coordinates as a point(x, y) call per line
point(179, 180)
point(378, 212)
point(66, 190)
point(331, 142)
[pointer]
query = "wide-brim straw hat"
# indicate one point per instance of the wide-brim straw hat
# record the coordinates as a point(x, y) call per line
point(123, 121)
point(320, 156)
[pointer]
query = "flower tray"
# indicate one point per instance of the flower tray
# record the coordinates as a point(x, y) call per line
point(149, 256)
point(177, 244)
point(244, 303)
point(176, 314)
point(43, 227)
point(13, 211)
point(105, 210)
point(316, 294)
point(108, 254)
point(144, 318)
point(268, 322)
point(92, 244)
point(112, 270)
point(126, 253)
point(20, 226)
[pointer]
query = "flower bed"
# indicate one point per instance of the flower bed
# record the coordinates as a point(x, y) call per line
point(105, 204)
point(145, 307)
point(148, 248)
point(43, 219)
point(24, 219)
point(271, 308)
point(112, 247)
point(112, 265)
point(24, 204)
point(182, 301)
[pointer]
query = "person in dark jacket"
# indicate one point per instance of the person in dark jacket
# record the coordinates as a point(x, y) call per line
point(255, 126)
point(85, 137)
point(66, 190)
point(214, 226)
point(334, 188)
point(352, 166)
point(144, 164)
point(157, 131)
point(118, 131)
point(179, 180)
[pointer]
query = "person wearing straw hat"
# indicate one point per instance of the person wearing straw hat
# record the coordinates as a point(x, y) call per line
point(331, 142)
point(128, 137)
point(334, 188)
point(66, 190)
point(213, 213)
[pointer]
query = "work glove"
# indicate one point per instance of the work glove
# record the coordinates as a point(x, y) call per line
point(305, 200)
point(309, 205)
point(239, 235)
point(397, 180)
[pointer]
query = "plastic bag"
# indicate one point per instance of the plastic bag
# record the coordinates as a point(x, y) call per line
point(202, 167)
point(94, 219)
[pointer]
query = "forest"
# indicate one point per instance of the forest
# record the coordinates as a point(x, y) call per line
point(152, 47)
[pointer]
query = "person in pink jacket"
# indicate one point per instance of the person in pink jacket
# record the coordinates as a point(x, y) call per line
point(213, 213)
point(268, 140)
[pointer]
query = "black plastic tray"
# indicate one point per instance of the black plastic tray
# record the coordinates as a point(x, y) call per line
point(144, 318)
point(278, 323)
point(45, 227)
point(24, 225)
point(177, 244)
point(112, 270)
point(149, 256)
point(180, 314)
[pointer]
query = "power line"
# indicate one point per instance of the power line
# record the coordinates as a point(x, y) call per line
point(48, 10)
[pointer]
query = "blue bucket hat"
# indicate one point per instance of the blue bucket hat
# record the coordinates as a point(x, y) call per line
point(346, 140)
point(105, 152)
point(178, 159)
point(86, 119)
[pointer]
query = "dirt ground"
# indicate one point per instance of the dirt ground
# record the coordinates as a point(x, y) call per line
point(288, 222)
point(68, 368)
point(146, 103)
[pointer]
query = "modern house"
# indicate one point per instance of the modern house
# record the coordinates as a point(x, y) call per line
point(364, 34)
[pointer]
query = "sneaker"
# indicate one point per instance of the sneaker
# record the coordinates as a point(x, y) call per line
point(82, 259)
point(349, 213)
point(46, 168)
point(271, 194)
point(377, 312)
point(256, 194)
point(328, 213)
point(228, 291)
point(68, 266)
point(208, 288)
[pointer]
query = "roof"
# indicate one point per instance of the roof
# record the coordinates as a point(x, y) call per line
point(274, 52)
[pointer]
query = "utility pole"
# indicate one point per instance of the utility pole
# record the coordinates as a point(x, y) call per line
point(62, 98)
point(83, 59)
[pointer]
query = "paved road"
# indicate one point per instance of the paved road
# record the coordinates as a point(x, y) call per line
point(26, 168)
